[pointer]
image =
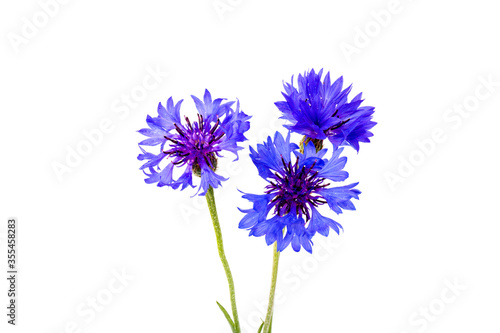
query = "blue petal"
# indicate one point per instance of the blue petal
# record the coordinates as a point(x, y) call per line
point(306, 242)
point(209, 178)
point(185, 180)
point(199, 106)
point(152, 141)
point(162, 178)
point(249, 220)
point(321, 224)
point(269, 155)
point(333, 167)
point(339, 198)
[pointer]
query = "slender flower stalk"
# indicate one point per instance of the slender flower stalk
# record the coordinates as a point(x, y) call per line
point(287, 213)
point(276, 254)
point(270, 308)
point(235, 324)
point(195, 146)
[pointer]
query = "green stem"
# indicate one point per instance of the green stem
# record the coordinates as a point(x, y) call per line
point(220, 247)
point(270, 307)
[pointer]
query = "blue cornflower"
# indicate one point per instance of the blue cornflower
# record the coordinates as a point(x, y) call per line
point(194, 144)
point(287, 212)
point(320, 110)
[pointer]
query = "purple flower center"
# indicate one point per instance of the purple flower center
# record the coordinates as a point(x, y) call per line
point(195, 144)
point(295, 188)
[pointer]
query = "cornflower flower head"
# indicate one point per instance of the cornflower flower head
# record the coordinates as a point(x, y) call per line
point(298, 183)
point(319, 110)
point(195, 145)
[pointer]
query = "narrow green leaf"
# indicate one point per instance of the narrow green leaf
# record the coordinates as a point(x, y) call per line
point(271, 323)
point(228, 317)
point(261, 327)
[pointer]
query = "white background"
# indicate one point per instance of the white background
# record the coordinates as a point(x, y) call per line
point(439, 222)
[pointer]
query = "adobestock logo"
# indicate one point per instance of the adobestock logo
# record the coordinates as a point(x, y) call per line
point(31, 26)
point(191, 209)
point(452, 117)
point(292, 278)
point(425, 315)
point(223, 6)
point(94, 137)
point(363, 36)
point(89, 309)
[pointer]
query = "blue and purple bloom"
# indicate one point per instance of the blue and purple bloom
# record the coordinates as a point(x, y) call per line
point(287, 213)
point(320, 110)
point(194, 144)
